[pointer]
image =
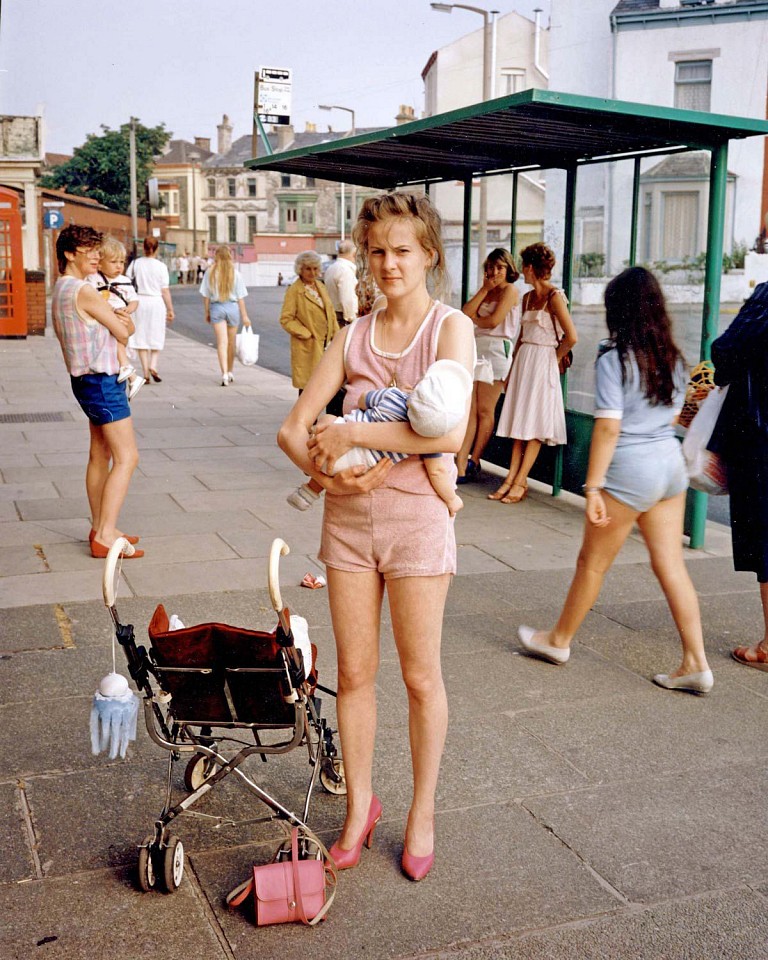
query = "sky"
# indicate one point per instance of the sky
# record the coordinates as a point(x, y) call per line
point(186, 63)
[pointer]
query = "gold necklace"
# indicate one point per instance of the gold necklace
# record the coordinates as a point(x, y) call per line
point(399, 356)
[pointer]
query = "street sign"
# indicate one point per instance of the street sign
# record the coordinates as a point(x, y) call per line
point(53, 219)
point(273, 102)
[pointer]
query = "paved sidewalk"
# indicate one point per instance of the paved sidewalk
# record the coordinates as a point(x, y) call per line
point(582, 812)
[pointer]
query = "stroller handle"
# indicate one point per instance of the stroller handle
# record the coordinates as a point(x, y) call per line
point(109, 584)
point(278, 549)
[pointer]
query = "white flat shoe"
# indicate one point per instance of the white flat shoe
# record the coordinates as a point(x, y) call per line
point(699, 683)
point(542, 650)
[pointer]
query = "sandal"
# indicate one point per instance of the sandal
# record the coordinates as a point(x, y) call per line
point(523, 495)
point(502, 491)
point(155, 377)
point(99, 551)
point(131, 540)
point(758, 660)
point(312, 582)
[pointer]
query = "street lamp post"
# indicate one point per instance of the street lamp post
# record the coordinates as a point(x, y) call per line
point(334, 106)
point(193, 156)
point(489, 84)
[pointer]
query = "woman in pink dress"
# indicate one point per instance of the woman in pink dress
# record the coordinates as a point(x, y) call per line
point(385, 528)
point(533, 411)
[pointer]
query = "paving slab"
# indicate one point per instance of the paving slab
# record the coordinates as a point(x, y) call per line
point(682, 835)
point(540, 883)
point(16, 863)
point(730, 925)
point(100, 916)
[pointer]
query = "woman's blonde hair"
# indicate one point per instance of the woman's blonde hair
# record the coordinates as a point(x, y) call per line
point(426, 224)
point(222, 278)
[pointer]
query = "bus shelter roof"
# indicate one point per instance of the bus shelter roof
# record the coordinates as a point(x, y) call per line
point(528, 130)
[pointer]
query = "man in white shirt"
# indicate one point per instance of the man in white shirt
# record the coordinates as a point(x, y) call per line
point(341, 282)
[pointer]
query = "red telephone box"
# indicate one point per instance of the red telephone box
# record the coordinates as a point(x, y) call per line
point(13, 293)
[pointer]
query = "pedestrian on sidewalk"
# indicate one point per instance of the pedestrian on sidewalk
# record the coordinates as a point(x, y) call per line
point(308, 316)
point(223, 291)
point(155, 308)
point(533, 413)
point(341, 283)
point(89, 330)
point(740, 356)
point(636, 474)
point(385, 528)
point(495, 312)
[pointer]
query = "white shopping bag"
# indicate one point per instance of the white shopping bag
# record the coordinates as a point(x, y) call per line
point(706, 470)
point(247, 347)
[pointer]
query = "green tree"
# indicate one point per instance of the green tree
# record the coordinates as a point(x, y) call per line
point(100, 168)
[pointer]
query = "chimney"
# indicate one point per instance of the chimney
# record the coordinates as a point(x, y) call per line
point(225, 135)
point(406, 114)
point(203, 143)
point(285, 135)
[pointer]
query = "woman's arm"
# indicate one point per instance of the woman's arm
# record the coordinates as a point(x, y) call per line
point(243, 312)
point(330, 442)
point(471, 307)
point(165, 293)
point(207, 308)
point(605, 433)
point(295, 433)
point(90, 303)
point(559, 311)
point(508, 300)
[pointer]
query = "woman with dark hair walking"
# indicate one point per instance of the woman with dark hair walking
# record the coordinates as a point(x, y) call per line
point(636, 474)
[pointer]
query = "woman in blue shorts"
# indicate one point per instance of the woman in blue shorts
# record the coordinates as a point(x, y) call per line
point(636, 474)
point(223, 291)
point(88, 330)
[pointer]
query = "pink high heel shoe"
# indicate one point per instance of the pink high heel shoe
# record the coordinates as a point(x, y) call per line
point(416, 868)
point(344, 859)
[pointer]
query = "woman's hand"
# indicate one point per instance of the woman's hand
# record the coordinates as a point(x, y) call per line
point(207, 318)
point(358, 479)
point(329, 442)
point(597, 514)
point(246, 322)
point(169, 315)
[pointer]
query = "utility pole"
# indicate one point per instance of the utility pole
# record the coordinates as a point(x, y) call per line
point(134, 200)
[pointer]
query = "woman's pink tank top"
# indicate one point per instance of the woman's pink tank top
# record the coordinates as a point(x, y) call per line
point(369, 368)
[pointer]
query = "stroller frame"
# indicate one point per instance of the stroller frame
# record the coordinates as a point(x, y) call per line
point(293, 715)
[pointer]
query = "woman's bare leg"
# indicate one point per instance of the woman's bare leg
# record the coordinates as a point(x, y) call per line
point(220, 332)
point(416, 605)
point(121, 441)
point(662, 530)
point(145, 364)
point(469, 436)
point(598, 551)
point(355, 601)
point(487, 397)
point(96, 472)
point(153, 359)
point(516, 458)
point(530, 453)
point(231, 334)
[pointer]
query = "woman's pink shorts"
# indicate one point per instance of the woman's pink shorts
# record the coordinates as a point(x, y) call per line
point(398, 534)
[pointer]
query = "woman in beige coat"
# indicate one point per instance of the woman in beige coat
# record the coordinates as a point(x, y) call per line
point(308, 316)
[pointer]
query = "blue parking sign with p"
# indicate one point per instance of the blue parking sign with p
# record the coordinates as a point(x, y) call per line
point(53, 219)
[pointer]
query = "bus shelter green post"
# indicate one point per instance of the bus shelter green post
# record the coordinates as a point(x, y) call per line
point(513, 217)
point(466, 240)
point(568, 236)
point(635, 212)
point(710, 321)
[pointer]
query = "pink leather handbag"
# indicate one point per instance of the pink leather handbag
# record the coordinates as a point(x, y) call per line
point(290, 891)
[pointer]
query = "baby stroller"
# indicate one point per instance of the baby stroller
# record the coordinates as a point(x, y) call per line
point(205, 690)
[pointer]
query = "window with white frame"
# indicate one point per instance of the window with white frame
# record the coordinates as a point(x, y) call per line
point(252, 228)
point(231, 187)
point(693, 84)
point(252, 186)
point(211, 187)
point(212, 234)
point(232, 229)
point(512, 80)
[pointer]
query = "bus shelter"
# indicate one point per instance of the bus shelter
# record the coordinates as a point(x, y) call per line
point(543, 130)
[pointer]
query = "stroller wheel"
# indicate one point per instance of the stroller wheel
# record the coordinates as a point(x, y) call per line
point(196, 774)
point(146, 866)
point(173, 865)
point(332, 777)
